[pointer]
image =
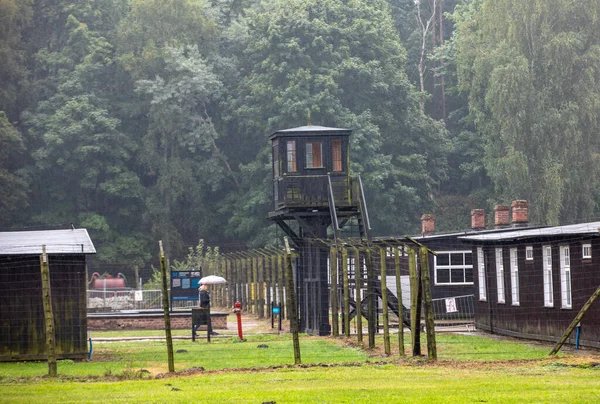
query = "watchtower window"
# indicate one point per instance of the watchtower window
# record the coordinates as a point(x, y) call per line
point(337, 155)
point(314, 155)
point(276, 161)
point(291, 156)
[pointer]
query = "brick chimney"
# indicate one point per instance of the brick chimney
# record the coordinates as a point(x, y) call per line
point(520, 213)
point(477, 219)
point(428, 224)
point(501, 218)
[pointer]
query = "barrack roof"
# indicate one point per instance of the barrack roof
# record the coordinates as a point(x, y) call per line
point(591, 228)
point(70, 241)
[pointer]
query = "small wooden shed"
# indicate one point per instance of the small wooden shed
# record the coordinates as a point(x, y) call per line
point(22, 329)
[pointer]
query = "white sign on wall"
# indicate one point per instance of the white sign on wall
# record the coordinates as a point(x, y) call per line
point(451, 305)
point(139, 296)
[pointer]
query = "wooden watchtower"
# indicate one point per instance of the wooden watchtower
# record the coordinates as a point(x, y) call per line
point(312, 187)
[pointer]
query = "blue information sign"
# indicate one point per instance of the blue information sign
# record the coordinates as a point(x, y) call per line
point(185, 284)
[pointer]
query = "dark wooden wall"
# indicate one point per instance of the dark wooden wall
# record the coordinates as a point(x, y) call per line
point(531, 319)
point(22, 329)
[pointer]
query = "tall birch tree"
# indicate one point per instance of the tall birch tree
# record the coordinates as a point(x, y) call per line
point(532, 72)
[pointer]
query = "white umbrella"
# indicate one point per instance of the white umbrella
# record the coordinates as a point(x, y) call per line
point(212, 280)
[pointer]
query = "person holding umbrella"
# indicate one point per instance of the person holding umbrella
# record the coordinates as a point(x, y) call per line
point(205, 304)
point(204, 295)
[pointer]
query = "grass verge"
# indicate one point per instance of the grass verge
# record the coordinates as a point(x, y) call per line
point(471, 368)
point(530, 383)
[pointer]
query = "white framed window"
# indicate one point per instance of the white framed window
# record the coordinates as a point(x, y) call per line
point(402, 251)
point(276, 161)
point(481, 274)
point(389, 252)
point(586, 251)
point(314, 155)
point(565, 277)
point(453, 267)
point(529, 253)
point(514, 277)
point(500, 276)
point(548, 288)
point(336, 146)
point(291, 156)
point(351, 267)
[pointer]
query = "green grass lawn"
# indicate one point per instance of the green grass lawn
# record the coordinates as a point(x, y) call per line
point(138, 333)
point(473, 347)
point(226, 352)
point(471, 368)
point(116, 357)
point(531, 383)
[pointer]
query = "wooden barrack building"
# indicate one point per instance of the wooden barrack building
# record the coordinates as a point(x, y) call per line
point(22, 328)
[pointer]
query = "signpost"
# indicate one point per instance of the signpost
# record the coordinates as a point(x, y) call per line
point(185, 284)
point(275, 311)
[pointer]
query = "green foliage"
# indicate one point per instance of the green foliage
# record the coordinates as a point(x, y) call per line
point(148, 120)
point(13, 184)
point(180, 147)
point(82, 158)
point(155, 282)
point(174, 23)
point(199, 257)
point(16, 17)
point(533, 95)
point(343, 62)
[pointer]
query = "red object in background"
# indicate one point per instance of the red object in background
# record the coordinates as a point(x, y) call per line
point(237, 309)
point(108, 281)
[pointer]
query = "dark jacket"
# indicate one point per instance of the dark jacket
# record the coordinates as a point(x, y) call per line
point(204, 299)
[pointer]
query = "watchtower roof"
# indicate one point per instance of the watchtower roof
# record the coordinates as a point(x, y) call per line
point(311, 130)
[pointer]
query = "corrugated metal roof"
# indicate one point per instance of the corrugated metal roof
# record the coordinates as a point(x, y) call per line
point(71, 241)
point(457, 234)
point(572, 229)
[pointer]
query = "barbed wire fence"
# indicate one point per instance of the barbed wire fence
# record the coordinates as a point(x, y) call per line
point(530, 297)
point(255, 277)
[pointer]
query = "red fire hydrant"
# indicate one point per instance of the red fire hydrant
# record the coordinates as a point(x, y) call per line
point(237, 309)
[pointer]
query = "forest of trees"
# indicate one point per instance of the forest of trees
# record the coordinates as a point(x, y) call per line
point(143, 120)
